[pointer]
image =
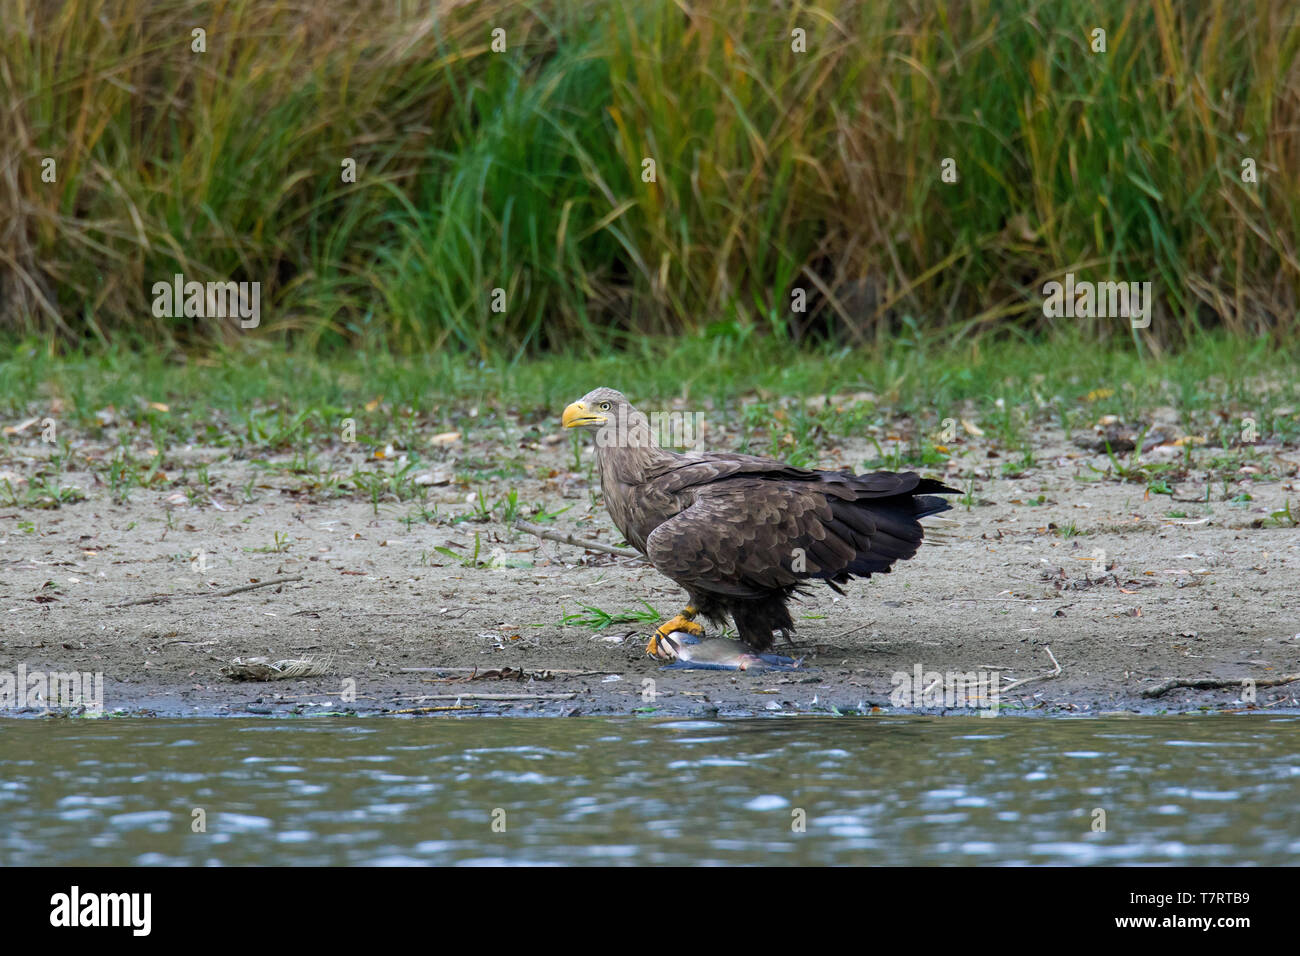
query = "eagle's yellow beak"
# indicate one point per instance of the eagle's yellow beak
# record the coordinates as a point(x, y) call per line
point(577, 414)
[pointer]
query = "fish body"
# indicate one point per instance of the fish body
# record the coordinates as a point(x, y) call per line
point(688, 652)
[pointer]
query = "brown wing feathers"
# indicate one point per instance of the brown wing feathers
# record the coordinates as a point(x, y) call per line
point(746, 533)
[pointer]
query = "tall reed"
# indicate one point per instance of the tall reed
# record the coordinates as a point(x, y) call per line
point(517, 180)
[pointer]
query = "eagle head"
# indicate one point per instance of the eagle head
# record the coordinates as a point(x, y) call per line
point(597, 407)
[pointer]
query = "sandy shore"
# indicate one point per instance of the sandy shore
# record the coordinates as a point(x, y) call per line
point(1138, 590)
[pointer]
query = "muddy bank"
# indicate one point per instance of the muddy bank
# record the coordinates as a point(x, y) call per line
point(399, 606)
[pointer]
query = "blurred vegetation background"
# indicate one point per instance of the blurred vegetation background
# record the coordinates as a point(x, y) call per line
point(522, 169)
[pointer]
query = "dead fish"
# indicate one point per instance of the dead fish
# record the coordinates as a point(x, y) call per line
point(263, 668)
point(688, 652)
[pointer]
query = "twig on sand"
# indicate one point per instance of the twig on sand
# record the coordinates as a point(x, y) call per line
point(497, 673)
point(434, 710)
point(571, 540)
point(836, 637)
point(1216, 683)
point(1053, 673)
point(158, 598)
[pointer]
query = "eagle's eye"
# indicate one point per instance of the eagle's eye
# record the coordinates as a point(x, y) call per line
point(604, 406)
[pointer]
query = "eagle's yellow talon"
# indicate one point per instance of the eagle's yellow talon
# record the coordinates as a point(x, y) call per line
point(680, 623)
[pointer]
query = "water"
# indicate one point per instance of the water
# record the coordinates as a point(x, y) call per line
point(895, 790)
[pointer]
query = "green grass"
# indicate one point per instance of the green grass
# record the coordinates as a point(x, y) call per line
point(41, 493)
point(279, 545)
point(522, 171)
point(1284, 517)
point(128, 417)
point(598, 620)
point(287, 403)
point(470, 560)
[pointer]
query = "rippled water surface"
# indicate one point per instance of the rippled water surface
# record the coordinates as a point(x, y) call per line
point(1218, 790)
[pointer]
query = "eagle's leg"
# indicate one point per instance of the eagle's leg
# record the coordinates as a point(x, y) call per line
point(682, 622)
